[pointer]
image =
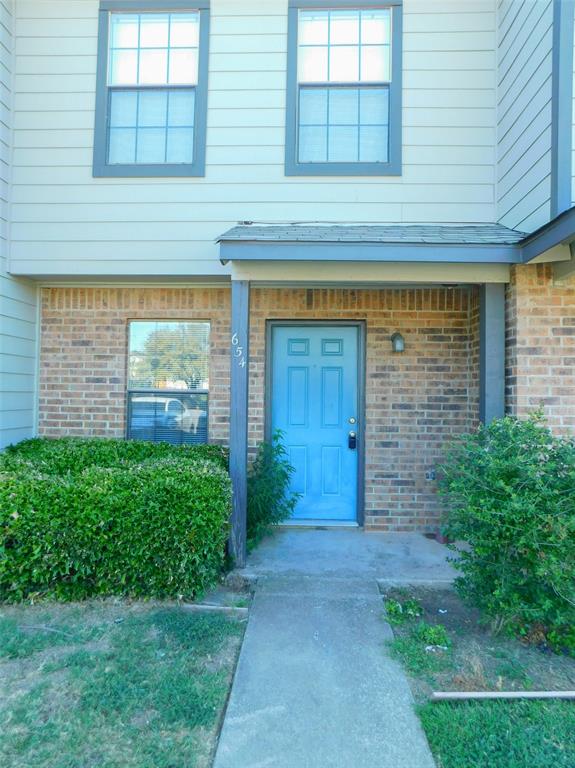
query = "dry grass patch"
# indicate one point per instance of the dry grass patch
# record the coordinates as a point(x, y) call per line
point(113, 685)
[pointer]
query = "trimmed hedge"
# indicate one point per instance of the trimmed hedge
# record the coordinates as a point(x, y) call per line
point(74, 454)
point(150, 521)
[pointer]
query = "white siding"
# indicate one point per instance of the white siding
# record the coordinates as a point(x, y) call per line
point(524, 112)
point(66, 222)
point(17, 297)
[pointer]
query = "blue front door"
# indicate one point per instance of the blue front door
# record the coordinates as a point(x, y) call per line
point(315, 404)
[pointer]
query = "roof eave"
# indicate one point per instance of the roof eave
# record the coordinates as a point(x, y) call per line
point(559, 230)
point(447, 253)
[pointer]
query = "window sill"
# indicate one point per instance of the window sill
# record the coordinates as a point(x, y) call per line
point(342, 169)
point(141, 171)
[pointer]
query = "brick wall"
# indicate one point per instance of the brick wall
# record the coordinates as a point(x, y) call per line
point(415, 401)
point(83, 357)
point(540, 341)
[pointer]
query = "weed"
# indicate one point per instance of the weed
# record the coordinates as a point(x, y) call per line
point(398, 613)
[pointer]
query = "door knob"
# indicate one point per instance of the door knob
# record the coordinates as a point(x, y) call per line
point(352, 441)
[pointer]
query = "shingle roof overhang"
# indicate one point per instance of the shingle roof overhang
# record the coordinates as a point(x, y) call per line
point(439, 243)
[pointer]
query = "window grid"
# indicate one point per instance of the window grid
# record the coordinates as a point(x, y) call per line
point(359, 45)
point(138, 127)
point(359, 124)
point(360, 85)
point(168, 48)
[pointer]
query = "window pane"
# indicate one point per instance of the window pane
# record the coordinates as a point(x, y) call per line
point(154, 30)
point(312, 144)
point(343, 144)
point(124, 30)
point(343, 106)
point(168, 355)
point(181, 108)
point(312, 65)
point(153, 108)
point(180, 145)
point(171, 417)
point(344, 64)
point(375, 26)
point(124, 68)
point(313, 106)
point(122, 145)
point(123, 109)
point(374, 106)
point(313, 27)
point(373, 144)
point(151, 145)
point(344, 27)
point(184, 30)
point(183, 66)
point(153, 67)
point(375, 64)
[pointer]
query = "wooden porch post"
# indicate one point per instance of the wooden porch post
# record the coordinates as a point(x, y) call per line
point(239, 384)
point(492, 352)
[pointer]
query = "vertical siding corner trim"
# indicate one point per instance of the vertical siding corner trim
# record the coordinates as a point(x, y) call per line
point(562, 106)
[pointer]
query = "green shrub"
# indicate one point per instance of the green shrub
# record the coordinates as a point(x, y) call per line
point(269, 499)
point(511, 492)
point(74, 454)
point(152, 528)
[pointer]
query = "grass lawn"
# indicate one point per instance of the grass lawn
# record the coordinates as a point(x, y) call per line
point(113, 684)
point(465, 656)
point(501, 734)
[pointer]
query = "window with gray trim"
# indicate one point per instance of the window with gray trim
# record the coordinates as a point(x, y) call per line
point(344, 89)
point(151, 100)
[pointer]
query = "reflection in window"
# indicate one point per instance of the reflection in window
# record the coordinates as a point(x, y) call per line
point(168, 381)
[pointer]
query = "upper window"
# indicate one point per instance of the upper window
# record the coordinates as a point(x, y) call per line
point(168, 381)
point(344, 89)
point(151, 101)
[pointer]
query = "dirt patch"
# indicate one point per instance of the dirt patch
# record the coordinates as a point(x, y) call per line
point(476, 659)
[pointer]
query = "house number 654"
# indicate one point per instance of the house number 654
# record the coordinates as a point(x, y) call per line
point(238, 351)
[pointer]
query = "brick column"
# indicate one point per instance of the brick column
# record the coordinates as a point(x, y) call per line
point(540, 345)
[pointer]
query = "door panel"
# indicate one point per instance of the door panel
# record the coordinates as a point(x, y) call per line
point(314, 396)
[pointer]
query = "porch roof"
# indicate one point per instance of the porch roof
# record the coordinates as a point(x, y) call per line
point(448, 243)
point(487, 243)
point(438, 234)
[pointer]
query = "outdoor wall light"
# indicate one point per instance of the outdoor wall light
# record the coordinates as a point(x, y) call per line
point(397, 342)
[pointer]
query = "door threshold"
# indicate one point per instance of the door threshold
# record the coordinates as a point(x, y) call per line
point(319, 524)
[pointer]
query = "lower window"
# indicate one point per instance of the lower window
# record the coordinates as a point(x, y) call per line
point(168, 381)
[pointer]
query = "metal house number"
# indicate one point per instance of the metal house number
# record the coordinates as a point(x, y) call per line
point(238, 351)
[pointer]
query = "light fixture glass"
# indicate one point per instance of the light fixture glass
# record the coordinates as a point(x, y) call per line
point(397, 342)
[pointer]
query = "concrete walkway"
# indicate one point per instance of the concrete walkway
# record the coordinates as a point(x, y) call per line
point(314, 686)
